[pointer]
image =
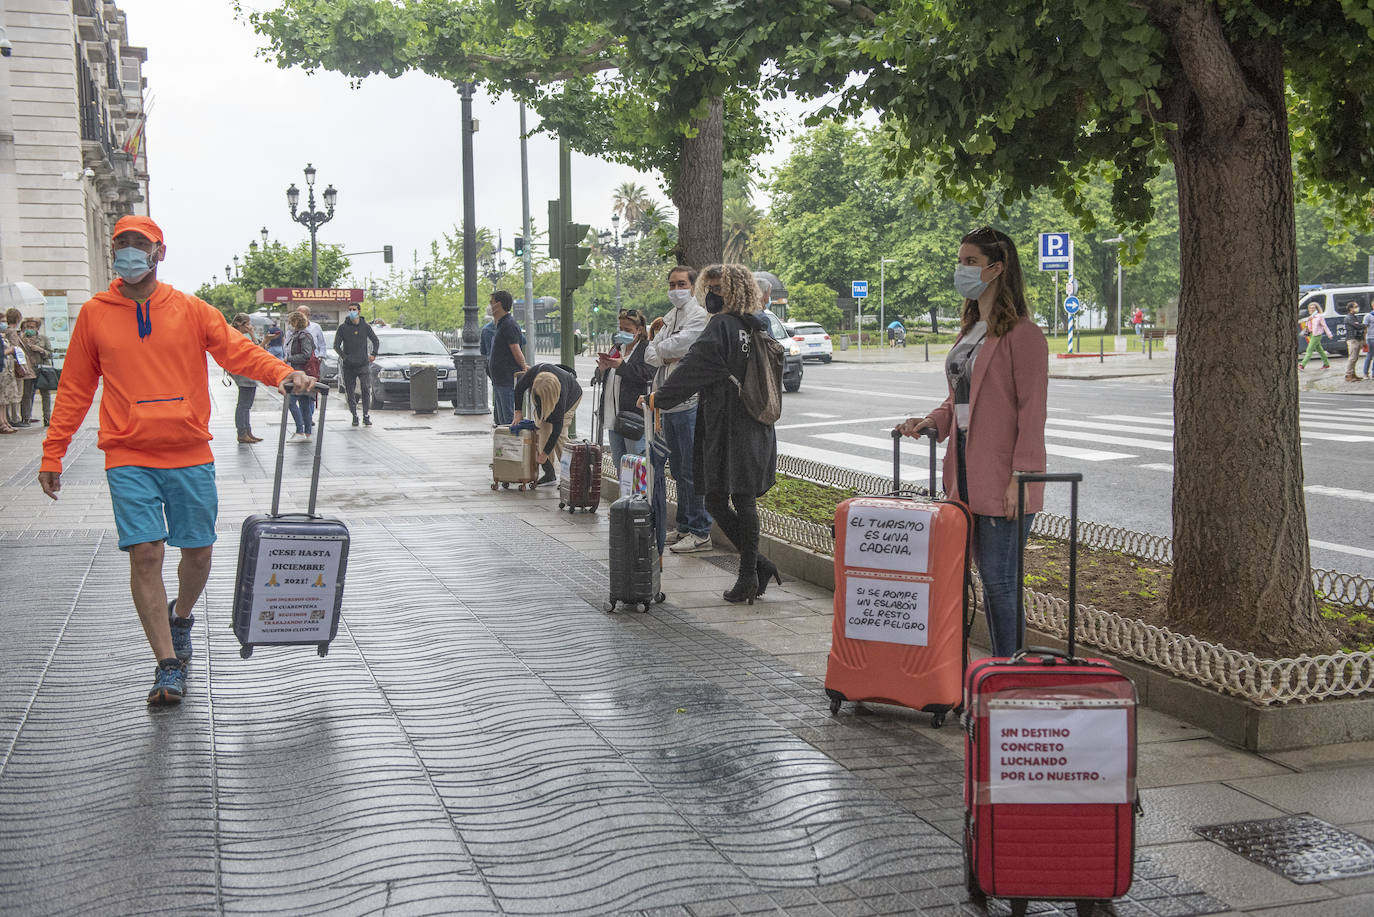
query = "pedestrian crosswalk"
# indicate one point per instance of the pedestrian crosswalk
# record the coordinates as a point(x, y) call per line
point(866, 444)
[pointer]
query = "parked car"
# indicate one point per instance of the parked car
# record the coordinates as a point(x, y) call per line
point(815, 343)
point(329, 370)
point(792, 361)
point(1332, 303)
point(400, 347)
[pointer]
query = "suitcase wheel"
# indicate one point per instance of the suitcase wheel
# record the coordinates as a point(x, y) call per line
point(836, 698)
point(561, 505)
point(975, 894)
point(1019, 906)
point(245, 651)
point(610, 606)
point(322, 649)
point(644, 608)
point(937, 719)
point(493, 485)
point(1085, 908)
point(660, 598)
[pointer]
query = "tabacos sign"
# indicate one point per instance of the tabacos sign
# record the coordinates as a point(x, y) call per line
point(308, 295)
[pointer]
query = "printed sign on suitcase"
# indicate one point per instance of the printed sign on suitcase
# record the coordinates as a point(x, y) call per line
point(1058, 754)
point(887, 610)
point(293, 599)
point(885, 534)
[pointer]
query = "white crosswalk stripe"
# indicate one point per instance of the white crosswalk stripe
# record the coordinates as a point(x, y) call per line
point(1157, 466)
point(1310, 428)
point(1339, 492)
point(873, 442)
point(858, 463)
point(1094, 424)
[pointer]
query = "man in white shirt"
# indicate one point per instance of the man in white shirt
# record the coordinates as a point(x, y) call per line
point(681, 327)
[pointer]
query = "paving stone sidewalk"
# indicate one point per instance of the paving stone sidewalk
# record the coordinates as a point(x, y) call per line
point(483, 739)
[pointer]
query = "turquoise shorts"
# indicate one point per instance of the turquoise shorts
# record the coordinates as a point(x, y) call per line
point(175, 505)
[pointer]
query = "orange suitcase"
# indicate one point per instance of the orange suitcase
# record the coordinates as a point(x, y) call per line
point(900, 632)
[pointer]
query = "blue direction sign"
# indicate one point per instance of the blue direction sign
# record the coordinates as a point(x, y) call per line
point(859, 289)
point(1072, 305)
point(1054, 251)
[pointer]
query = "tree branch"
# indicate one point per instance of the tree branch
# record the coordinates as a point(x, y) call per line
point(857, 10)
point(1209, 63)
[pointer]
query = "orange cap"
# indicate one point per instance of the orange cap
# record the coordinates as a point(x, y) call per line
point(144, 226)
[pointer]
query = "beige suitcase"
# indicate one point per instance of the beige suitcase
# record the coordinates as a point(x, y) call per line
point(512, 458)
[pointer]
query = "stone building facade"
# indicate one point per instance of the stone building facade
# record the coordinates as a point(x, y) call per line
point(71, 100)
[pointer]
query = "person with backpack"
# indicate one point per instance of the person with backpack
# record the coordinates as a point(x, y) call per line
point(993, 417)
point(735, 455)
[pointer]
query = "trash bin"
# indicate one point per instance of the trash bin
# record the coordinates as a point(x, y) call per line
point(844, 342)
point(424, 388)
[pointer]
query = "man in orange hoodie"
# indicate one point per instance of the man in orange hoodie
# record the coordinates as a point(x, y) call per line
point(148, 342)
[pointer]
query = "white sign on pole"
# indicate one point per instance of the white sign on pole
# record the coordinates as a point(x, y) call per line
point(1056, 253)
point(858, 289)
point(1058, 755)
point(887, 610)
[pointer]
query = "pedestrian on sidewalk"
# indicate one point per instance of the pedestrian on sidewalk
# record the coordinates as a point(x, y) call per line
point(13, 373)
point(1316, 329)
point(555, 394)
point(356, 344)
point(993, 417)
point(625, 377)
point(1354, 341)
point(247, 387)
point(300, 349)
point(147, 342)
point(38, 349)
point(683, 324)
point(506, 358)
point(1138, 321)
point(735, 456)
point(1368, 340)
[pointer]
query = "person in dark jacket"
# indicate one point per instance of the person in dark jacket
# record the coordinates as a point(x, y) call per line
point(734, 455)
point(356, 344)
point(555, 394)
point(625, 374)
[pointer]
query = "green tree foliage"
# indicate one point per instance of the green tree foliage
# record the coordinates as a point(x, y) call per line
point(814, 302)
point(276, 265)
point(230, 299)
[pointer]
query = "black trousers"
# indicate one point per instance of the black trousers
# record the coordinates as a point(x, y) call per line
point(363, 375)
point(738, 517)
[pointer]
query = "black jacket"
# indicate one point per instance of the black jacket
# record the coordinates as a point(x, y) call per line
point(350, 342)
point(570, 392)
point(733, 452)
point(635, 375)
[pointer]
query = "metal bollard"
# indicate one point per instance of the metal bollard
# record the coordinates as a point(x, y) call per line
point(927, 350)
point(1150, 349)
point(1101, 345)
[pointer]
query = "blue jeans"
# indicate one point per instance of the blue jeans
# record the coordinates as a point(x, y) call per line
point(1368, 357)
point(621, 447)
point(503, 405)
point(303, 412)
point(994, 551)
point(679, 430)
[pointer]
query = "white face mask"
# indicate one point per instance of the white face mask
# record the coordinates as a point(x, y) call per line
point(969, 282)
point(679, 298)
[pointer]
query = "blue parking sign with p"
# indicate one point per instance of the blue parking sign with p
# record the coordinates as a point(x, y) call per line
point(1055, 254)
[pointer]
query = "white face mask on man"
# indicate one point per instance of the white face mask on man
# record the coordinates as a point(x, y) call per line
point(679, 298)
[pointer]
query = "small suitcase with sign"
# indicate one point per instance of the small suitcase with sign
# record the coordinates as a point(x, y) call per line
point(1050, 766)
point(289, 587)
point(900, 632)
point(636, 566)
point(512, 458)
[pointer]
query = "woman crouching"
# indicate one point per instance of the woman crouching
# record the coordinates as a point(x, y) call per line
point(555, 394)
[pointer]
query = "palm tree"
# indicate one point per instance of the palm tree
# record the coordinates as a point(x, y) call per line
point(740, 220)
point(630, 199)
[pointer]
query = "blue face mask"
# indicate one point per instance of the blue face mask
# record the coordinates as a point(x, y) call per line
point(969, 282)
point(353, 316)
point(132, 265)
point(622, 337)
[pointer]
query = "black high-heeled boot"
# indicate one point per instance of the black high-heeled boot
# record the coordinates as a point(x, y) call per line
point(745, 589)
point(766, 570)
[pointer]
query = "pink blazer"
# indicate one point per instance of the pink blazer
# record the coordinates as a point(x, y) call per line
point(1006, 427)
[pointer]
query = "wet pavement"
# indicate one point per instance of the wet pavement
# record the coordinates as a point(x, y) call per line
point(483, 739)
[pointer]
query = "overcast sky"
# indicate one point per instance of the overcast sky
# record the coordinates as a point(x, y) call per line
point(229, 131)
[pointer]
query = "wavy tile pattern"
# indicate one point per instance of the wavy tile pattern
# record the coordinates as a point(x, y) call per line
point(481, 739)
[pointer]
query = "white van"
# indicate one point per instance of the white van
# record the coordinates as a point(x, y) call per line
point(1334, 301)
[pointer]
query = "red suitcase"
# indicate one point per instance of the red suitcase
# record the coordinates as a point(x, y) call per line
point(1050, 767)
point(900, 631)
point(579, 479)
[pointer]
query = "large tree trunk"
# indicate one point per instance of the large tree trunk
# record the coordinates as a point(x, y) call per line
point(697, 193)
point(1241, 561)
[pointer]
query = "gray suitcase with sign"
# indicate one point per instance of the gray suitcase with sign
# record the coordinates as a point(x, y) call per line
point(290, 582)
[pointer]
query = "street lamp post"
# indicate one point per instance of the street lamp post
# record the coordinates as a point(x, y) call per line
point(494, 266)
point(468, 363)
point(611, 243)
point(312, 219)
point(882, 294)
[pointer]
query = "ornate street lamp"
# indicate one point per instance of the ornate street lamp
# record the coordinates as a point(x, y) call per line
point(611, 243)
point(424, 283)
point(311, 218)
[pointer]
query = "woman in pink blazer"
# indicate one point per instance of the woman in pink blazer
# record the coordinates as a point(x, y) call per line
point(994, 417)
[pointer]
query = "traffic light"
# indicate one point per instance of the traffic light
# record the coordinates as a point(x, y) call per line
point(386, 253)
point(555, 229)
point(575, 255)
point(519, 246)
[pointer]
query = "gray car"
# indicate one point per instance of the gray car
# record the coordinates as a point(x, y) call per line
point(399, 348)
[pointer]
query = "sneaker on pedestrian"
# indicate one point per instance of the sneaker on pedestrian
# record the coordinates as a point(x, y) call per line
point(690, 544)
point(181, 631)
point(169, 683)
point(674, 537)
point(297, 437)
point(355, 420)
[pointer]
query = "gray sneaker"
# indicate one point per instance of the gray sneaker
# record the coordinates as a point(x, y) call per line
point(691, 544)
point(674, 537)
point(181, 632)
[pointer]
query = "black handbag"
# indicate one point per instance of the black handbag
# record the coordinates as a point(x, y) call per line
point(47, 378)
point(629, 424)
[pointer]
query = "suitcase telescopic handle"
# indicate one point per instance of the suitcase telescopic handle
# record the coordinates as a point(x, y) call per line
point(1073, 479)
point(929, 432)
point(281, 447)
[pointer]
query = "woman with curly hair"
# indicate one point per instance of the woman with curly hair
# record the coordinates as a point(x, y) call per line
point(994, 417)
point(734, 455)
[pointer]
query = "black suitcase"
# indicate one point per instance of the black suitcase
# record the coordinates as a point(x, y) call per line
point(290, 581)
point(635, 564)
